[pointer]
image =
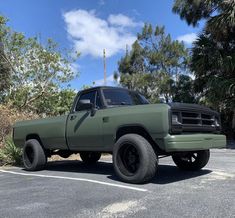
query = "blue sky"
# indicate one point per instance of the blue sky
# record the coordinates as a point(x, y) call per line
point(89, 26)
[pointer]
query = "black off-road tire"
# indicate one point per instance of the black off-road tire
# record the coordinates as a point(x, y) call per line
point(34, 156)
point(90, 157)
point(192, 161)
point(134, 159)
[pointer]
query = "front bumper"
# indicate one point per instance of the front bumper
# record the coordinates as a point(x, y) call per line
point(194, 142)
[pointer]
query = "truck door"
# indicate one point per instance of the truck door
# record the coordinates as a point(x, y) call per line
point(84, 132)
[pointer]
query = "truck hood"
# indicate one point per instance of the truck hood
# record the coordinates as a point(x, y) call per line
point(191, 107)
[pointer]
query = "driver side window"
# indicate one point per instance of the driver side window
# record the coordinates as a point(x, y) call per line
point(94, 98)
point(86, 96)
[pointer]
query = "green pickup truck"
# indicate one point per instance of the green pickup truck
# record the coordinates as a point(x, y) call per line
point(123, 123)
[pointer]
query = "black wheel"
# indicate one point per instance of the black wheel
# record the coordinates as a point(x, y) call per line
point(193, 161)
point(34, 157)
point(90, 157)
point(134, 159)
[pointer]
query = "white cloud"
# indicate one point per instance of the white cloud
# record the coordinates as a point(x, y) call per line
point(188, 38)
point(110, 81)
point(122, 20)
point(91, 34)
point(75, 67)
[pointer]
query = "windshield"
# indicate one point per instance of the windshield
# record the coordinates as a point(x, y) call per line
point(123, 97)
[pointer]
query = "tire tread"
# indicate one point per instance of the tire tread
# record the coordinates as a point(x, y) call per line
point(149, 165)
point(40, 160)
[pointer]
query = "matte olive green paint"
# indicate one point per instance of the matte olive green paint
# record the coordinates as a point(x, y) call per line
point(51, 132)
point(85, 131)
point(81, 131)
point(192, 141)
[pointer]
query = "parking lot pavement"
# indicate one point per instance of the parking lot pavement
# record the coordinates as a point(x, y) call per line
point(72, 189)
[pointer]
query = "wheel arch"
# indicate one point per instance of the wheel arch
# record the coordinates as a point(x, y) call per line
point(34, 136)
point(137, 129)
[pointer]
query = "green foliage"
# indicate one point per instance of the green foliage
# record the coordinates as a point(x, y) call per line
point(39, 72)
point(213, 54)
point(5, 69)
point(213, 62)
point(5, 72)
point(161, 52)
point(214, 65)
point(58, 103)
point(219, 15)
point(86, 86)
point(142, 82)
point(183, 90)
point(152, 62)
point(165, 85)
point(194, 10)
point(10, 153)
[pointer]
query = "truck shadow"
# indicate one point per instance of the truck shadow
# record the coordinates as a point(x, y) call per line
point(166, 173)
point(170, 174)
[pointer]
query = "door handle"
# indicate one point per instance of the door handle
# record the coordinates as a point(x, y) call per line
point(73, 117)
point(105, 119)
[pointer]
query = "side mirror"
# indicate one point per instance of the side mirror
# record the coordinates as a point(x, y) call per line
point(85, 105)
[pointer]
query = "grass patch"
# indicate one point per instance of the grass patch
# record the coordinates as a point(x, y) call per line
point(10, 154)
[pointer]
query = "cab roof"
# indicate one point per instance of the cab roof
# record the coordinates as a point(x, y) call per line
point(102, 87)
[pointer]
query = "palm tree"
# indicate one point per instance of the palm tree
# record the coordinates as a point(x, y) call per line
point(219, 14)
point(213, 54)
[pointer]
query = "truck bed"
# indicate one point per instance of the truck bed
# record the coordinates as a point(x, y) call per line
point(51, 131)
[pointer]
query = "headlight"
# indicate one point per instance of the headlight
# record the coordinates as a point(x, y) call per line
point(175, 119)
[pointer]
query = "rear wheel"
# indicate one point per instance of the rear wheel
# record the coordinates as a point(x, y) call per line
point(34, 157)
point(193, 161)
point(134, 159)
point(90, 157)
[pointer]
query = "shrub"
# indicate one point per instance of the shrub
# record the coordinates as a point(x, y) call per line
point(8, 116)
point(10, 153)
point(5, 124)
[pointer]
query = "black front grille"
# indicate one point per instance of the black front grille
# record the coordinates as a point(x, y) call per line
point(194, 118)
point(197, 119)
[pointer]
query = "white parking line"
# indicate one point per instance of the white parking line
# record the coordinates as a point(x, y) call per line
point(76, 179)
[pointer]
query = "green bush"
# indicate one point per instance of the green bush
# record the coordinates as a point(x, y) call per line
point(10, 153)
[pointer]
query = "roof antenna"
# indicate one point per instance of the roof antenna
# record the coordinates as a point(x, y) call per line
point(104, 67)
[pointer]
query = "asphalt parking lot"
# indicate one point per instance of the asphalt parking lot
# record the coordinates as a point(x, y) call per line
point(72, 189)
